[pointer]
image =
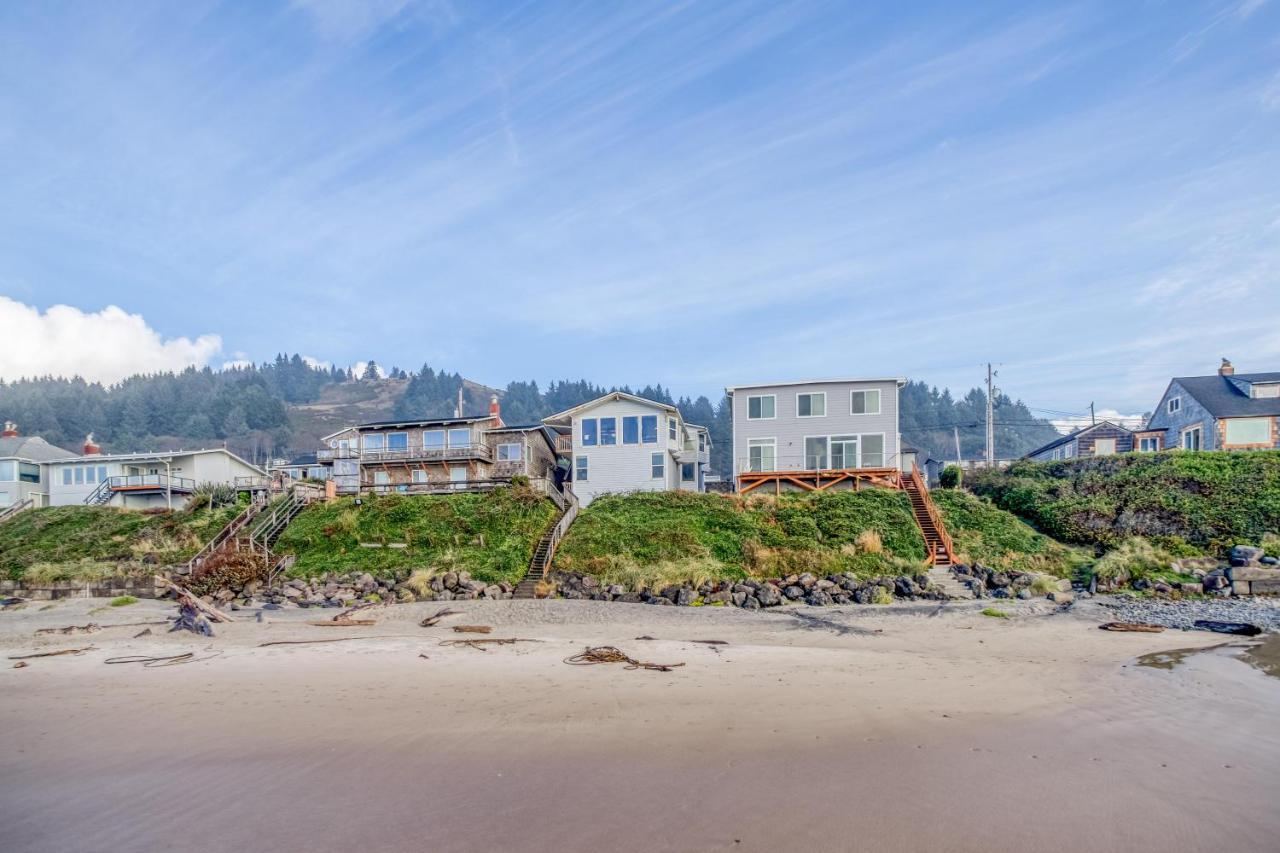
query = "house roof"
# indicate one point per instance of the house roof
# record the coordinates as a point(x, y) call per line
point(899, 380)
point(547, 432)
point(300, 460)
point(32, 448)
point(408, 422)
point(1073, 435)
point(1223, 397)
point(157, 456)
point(568, 414)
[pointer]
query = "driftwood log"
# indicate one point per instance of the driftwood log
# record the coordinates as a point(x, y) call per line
point(193, 614)
point(1132, 626)
point(472, 629)
point(431, 620)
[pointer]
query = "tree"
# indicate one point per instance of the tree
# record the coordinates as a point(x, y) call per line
point(370, 372)
point(951, 477)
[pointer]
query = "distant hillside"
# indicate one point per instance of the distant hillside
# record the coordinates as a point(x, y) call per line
point(283, 407)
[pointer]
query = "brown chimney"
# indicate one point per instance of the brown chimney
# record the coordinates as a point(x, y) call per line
point(91, 447)
point(10, 430)
point(495, 409)
point(1226, 369)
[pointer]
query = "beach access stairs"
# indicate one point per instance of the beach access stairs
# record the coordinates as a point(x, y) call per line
point(545, 551)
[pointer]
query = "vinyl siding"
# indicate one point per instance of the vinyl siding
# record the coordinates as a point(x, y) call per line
point(790, 430)
point(625, 467)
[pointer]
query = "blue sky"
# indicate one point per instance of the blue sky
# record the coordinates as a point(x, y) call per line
point(694, 193)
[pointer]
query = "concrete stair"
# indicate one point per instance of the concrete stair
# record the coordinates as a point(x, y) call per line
point(941, 577)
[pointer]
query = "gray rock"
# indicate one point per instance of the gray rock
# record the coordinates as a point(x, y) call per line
point(685, 596)
point(1060, 597)
point(1025, 593)
point(1243, 555)
point(807, 580)
point(660, 600)
point(793, 592)
point(750, 603)
point(818, 598)
point(769, 595)
point(293, 592)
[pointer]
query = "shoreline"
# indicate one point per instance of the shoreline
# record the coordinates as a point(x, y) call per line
point(894, 728)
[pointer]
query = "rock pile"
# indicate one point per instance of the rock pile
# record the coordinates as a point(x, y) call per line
point(345, 590)
point(986, 582)
point(751, 594)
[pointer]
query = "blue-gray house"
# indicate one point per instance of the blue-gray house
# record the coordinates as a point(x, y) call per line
point(1226, 411)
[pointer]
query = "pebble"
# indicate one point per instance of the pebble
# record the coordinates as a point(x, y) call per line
point(1263, 612)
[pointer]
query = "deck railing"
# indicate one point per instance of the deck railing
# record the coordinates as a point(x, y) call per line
point(932, 509)
point(417, 452)
point(151, 481)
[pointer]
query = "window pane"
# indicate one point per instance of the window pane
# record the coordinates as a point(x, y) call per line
point(760, 455)
point(865, 402)
point(581, 473)
point(753, 407)
point(844, 451)
point(649, 429)
point(872, 451)
point(815, 453)
point(608, 430)
point(79, 476)
point(419, 476)
point(658, 465)
point(631, 430)
point(7, 472)
point(398, 441)
point(588, 432)
point(1248, 431)
point(686, 472)
point(66, 476)
point(27, 472)
point(1104, 447)
point(102, 473)
point(811, 405)
point(374, 441)
point(671, 428)
point(460, 437)
point(433, 439)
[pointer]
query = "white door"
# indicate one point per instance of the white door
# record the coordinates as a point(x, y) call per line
point(458, 475)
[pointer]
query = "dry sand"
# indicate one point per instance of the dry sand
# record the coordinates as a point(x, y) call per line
point(897, 728)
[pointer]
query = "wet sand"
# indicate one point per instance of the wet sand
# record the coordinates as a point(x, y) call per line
point(884, 729)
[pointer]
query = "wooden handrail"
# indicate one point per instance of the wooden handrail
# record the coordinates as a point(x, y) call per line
point(10, 511)
point(932, 509)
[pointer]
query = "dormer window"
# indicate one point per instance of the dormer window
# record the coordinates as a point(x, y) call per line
point(1174, 404)
point(1264, 390)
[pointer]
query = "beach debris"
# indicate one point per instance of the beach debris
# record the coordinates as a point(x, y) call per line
point(91, 628)
point(424, 657)
point(53, 654)
point(1145, 627)
point(344, 618)
point(431, 620)
point(145, 632)
point(481, 645)
point(20, 664)
point(345, 623)
point(703, 642)
point(337, 640)
point(193, 614)
point(472, 629)
point(610, 654)
point(12, 601)
point(1242, 629)
point(170, 660)
point(646, 637)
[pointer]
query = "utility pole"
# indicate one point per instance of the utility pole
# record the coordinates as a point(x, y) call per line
point(959, 461)
point(991, 424)
point(1092, 418)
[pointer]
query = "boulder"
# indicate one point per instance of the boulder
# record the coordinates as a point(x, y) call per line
point(998, 580)
point(494, 591)
point(750, 603)
point(1270, 561)
point(721, 597)
point(902, 587)
point(1215, 580)
point(293, 592)
point(1025, 593)
point(737, 598)
point(807, 580)
point(1060, 597)
point(450, 581)
point(793, 592)
point(685, 596)
point(769, 595)
point(818, 598)
point(1244, 555)
point(1189, 588)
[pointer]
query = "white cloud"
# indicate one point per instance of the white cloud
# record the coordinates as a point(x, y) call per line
point(102, 347)
point(359, 366)
point(1066, 425)
point(318, 364)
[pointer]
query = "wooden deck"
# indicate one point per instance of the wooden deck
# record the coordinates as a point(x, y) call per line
point(820, 481)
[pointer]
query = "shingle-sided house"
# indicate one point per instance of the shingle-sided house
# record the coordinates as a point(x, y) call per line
point(24, 467)
point(435, 454)
point(1226, 411)
point(816, 434)
point(624, 443)
point(1101, 439)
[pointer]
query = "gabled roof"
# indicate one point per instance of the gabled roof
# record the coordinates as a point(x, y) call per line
point(1223, 397)
point(157, 456)
point(32, 448)
point(547, 432)
point(899, 380)
point(612, 396)
point(1073, 435)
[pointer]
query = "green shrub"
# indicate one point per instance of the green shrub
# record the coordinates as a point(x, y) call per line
point(994, 613)
point(1135, 559)
point(951, 477)
point(984, 533)
point(122, 601)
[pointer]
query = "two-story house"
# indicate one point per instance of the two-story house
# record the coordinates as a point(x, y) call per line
point(1101, 439)
point(796, 436)
point(159, 480)
point(624, 443)
point(435, 454)
point(1226, 411)
point(24, 468)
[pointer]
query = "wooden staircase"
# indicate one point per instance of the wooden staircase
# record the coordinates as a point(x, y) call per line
point(545, 551)
point(937, 542)
point(10, 511)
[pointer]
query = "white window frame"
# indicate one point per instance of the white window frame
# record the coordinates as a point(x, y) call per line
point(822, 394)
point(505, 447)
point(614, 421)
point(1272, 390)
point(673, 429)
point(367, 445)
point(865, 391)
point(443, 442)
point(581, 468)
point(449, 437)
point(804, 449)
point(1183, 435)
point(1149, 444)
point(692, 468)
point(770, 442)
point(381, 478)
point(1173, 404)
point(831, 451)
point(1114, 444)
point(623, 437)
point(582, 432)
point(66, 476)
point(421, 476)
point(762, 398)
point(391, 435)
point(657, 466)
point(884, 448)
point(1226, 432)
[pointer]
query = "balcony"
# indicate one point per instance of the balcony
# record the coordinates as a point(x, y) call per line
point(421, 453)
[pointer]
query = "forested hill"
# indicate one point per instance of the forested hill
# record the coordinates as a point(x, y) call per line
point(281, 408)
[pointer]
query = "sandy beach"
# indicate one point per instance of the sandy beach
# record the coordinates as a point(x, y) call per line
point(900, 728)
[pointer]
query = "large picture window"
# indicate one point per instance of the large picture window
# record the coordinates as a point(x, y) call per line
point(813, 405)
point(460, 437)
point(8, 470)
point(631, 430)
point(509, 452)
point(872, 455)
point(1248, 431)
point(398, 441)
point(433, 439)
point(590, 432)
point(374, 441)
point(763, 407)
point(649, 429)
point(608, 430)
point(844, 451)
point(815, 453)
point(865, 402)
point(761, 453)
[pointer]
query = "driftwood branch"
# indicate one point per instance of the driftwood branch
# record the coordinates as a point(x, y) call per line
point(52, 654)
point(479, 645)
point(185, 596)
point(472, 629)
point(431, 620)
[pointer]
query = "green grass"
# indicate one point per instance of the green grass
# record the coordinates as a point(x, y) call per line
point(122, 601)
point(984, 533)
point(80, 542)
point(656, 538)
point(490, 535)
point(1185, 503)
point(994, 614)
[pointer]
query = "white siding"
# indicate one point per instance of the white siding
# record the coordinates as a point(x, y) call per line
point(625, 467)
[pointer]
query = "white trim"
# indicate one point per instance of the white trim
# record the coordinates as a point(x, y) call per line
point(662, 459)
point(769, 441)
point(800, 394)
point(884, 450)
point(729, 389)
point(1169, 408)
point(879, 401)
point(804, 453)
point(569, 414)
point(1183, 433)
point(772, 417)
